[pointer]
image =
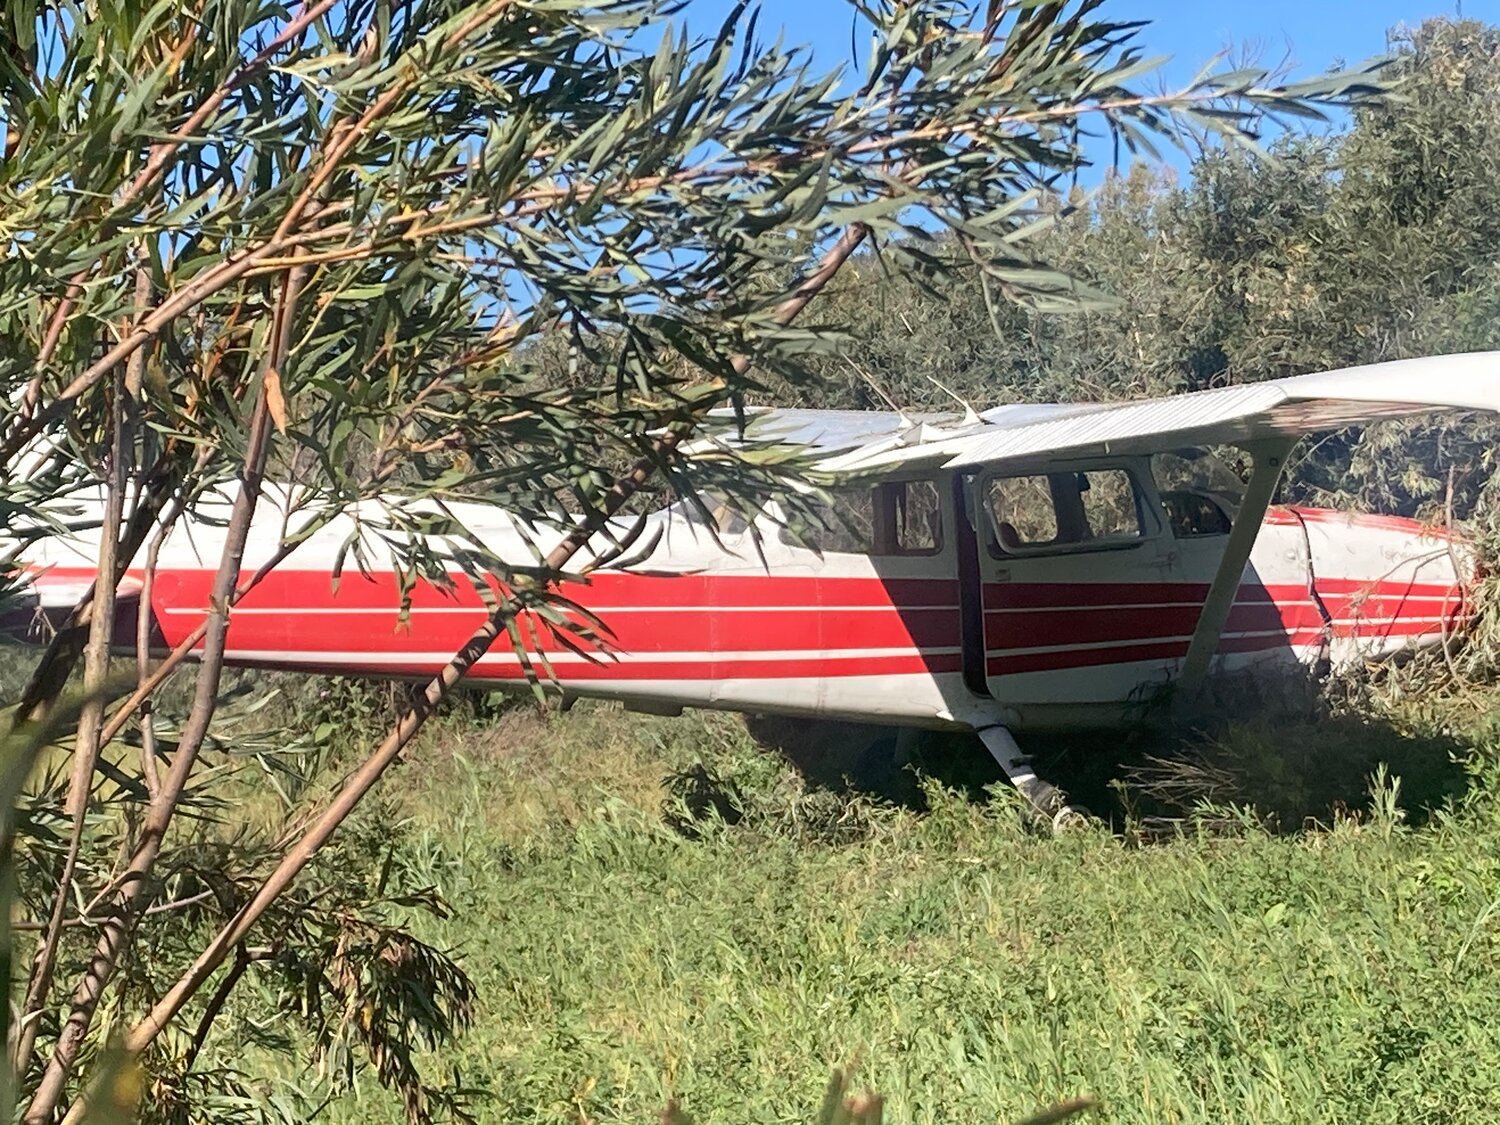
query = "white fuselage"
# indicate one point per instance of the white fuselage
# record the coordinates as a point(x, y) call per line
point(935, 622)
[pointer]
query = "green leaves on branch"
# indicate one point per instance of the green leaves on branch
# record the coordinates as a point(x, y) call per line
point(465, 179)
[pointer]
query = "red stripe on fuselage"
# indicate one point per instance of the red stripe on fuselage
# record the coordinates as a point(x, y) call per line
point(506, 668)
point(1392, 587)
point(1065, 595)
point(642, 631)
point(298, 612)
point(1046, 628)
point(1160, 617)
point(315, 626)
point(1165, 650)
point(380, 591)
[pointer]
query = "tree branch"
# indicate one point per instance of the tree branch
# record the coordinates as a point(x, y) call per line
point(116, 932)
point(87, 741)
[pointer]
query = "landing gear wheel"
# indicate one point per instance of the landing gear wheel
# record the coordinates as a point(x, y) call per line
point(1070, 818)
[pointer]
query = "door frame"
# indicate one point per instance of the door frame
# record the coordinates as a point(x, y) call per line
point(979, 553)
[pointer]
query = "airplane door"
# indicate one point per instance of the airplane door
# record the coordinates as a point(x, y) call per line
point(1081, 609)
point(1276, 615)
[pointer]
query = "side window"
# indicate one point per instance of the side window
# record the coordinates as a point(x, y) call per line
point(897, 518)
point(846, 526)
point(1023, 512)
point(911, 518)
point(728, 517)
point(1076, 510)
point(1198, 493)
point(729, 520)
point(1111, 510)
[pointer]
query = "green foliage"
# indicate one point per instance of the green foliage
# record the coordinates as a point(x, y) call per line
point(462, 179)
point(336, 962)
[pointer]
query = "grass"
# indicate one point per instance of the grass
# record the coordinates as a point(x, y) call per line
point(658, 909)
point(719, 913)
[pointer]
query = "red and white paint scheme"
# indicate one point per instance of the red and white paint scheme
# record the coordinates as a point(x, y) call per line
point(1032, 567)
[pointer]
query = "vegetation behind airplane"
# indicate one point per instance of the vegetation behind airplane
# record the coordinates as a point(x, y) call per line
point(1371, 242)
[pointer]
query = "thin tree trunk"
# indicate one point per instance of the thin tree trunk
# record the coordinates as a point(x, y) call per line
point(116, 931)
point(86, 743)
point(115, 552)
point(215, 1005)
point(58, 660)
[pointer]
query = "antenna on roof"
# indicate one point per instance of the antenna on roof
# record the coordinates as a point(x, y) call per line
point(885, 398)
point(970, 417)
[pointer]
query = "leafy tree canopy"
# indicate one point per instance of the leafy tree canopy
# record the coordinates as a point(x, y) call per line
point(1374, 241)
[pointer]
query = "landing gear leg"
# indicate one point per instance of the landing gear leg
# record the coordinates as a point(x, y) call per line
point(1048, 800)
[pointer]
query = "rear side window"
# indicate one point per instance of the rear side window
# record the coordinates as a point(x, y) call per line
point(1097, 508)
point(912, 518)
point(896, 518)
point(844, 526)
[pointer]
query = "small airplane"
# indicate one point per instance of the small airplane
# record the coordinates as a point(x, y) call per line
point(1033, 567)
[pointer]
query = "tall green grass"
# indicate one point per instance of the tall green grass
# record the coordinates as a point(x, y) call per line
point(659, 910)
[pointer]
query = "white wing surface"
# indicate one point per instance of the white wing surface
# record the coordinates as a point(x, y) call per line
point(886, 443)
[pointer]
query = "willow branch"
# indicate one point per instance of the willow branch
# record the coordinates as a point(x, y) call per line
point(161, 155)
point(115, 934)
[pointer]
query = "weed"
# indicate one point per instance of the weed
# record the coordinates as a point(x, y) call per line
point(659, 911)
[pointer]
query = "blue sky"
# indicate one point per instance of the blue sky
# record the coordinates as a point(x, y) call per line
point(1309, 35)
point(1315, 33)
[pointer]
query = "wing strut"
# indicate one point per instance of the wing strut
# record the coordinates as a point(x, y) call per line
point(1269, 458)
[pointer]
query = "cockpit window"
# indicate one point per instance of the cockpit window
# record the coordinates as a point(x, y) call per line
point(1199, 493)
point(1093, 510)
point(1023, 512)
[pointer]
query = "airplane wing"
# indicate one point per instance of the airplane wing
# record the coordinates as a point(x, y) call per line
point(822, 437)
point(1273, 413)
point(864, 443)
